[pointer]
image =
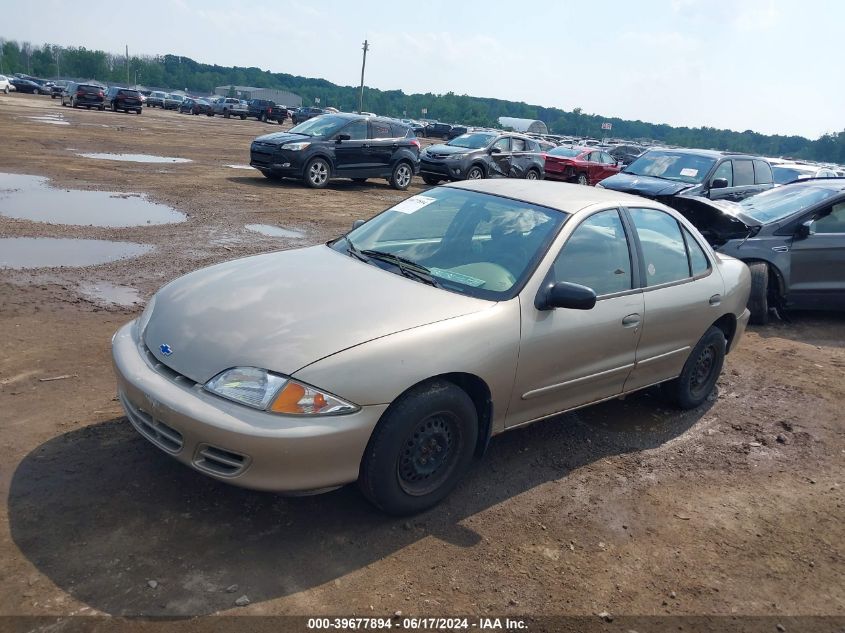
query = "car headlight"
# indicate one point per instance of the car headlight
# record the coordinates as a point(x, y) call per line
point(264, 390)
point(295, 146)
point(454, 156)
point(146, 315)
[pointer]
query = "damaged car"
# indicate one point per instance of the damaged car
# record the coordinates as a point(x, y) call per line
point(667, 174)
point(478, 155)
point(792, 238)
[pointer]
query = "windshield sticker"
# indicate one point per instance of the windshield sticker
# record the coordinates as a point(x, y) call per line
point(689, 172)
point(466, 280)
point(413, 204)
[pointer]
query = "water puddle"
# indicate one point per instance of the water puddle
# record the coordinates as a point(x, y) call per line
point(111, 294)
point(136, 158)
point(238, 166)
point(55, 119)
point(274, 231)
point(31, 198)
point(46, 252)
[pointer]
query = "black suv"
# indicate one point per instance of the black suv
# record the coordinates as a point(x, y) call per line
point(88, 95)
point(340, 146)
point(265, 110)
point(437, 130)
point(483, 155)
point(668, 174)
point(124, 99)
point(303, 114)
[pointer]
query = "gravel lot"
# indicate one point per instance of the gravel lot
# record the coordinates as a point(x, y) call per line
point(627, 508)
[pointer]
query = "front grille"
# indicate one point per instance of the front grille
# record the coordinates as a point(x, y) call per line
point(165, 437)
point(164, 370)
point(219, 461)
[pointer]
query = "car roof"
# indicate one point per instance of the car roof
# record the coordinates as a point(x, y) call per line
point(703, 152)
point(570, 198)
point(834, 184)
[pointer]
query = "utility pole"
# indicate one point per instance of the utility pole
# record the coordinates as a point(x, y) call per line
point(127, 64)
point(363, 66)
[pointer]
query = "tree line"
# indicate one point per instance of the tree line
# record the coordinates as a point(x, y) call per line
point(173, 72)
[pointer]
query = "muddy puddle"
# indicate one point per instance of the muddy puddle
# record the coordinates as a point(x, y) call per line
point(274, 231)
point(21, 253)
point(135, 158)
point(107, 293)
point(238, 166)
point(26, 197)
point(55, 119)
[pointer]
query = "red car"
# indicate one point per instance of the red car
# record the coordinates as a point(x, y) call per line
point(583, 165)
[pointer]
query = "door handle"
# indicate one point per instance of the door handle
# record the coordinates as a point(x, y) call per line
point(632, 320)
point(365, 145)
point(715, 300)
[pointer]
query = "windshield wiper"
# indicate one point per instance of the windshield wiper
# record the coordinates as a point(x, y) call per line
point(408, 267)
point(353, 251)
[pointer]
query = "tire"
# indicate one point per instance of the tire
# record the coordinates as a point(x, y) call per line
point(102, 108)
point(582, 179)
point(758, 300)
point(402, 175)
point(532, 174)
point(263, 117)
point(420, 449)
point(431, 180)
point(700, 372)
point(317, 173)
point(243, 117)
point(227, 114)
point(474, 173)
point(359, 181)
point(138, 111)
point(73, 103)
point(113, 107)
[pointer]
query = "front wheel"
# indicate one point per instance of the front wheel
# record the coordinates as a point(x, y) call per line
point(475, 173)
point(243, 117)
point(700, 372)
point(420, 449)
point(317, 173)
point(758, 300)
point(401, 176)
point(226, 114)
point(431, 180)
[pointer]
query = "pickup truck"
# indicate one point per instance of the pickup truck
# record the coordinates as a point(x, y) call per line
point(229, 107)
point(265, 110)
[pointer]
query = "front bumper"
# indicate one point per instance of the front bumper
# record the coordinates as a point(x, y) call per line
point(230, 442)
point(442, 168)
point(271, 159)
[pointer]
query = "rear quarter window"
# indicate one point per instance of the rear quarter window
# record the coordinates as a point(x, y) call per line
point(762, 173)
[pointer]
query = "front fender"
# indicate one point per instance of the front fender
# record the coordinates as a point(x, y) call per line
point(484, 344)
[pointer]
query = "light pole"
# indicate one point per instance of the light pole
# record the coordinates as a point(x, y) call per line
point(363, 66)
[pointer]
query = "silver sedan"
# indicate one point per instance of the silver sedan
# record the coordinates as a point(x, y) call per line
point(390, 355)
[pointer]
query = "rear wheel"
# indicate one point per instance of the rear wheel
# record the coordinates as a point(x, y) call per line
point(475, 173)
point(582, 179)
point(263, 117)
point(532, 174)
point(138, 111)
point(243, 117)
point(431, 180)
point(420, 449)
point(758, 300)
point(317, 173)
point(226, 114)
point(401, 176)
point(113, 106)
point(700, 372)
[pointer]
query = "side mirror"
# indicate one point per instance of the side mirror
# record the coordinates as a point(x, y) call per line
point(804, 230)
point(565, 295)
point(342, 137)
point(495, 150)
point(357, 223)
point(719, 183)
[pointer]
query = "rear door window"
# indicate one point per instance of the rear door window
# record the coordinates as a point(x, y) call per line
point(379, 129)
point(743, 173)
point(518, 144)
point(664, 251)
point(762, 173)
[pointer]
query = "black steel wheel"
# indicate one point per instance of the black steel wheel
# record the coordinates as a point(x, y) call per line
point(700, 372)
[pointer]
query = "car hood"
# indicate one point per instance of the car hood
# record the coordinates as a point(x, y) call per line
point(281, 311)
point(444, 150)
point(280, 138)
point(644, 185)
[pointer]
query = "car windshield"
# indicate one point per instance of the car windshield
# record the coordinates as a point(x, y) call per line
point(784, 175)
point(324, 125)
point(567, 152)
point(779, 203)
point(472, 141)
point(678, 166)
point(459, 240)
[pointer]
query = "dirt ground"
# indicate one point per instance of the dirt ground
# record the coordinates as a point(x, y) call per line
point(626, 508)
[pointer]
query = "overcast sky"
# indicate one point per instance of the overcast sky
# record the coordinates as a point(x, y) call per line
point(774, 66)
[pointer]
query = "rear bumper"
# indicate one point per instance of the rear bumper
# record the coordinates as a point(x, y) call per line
point(233, 443)
point(741, 324)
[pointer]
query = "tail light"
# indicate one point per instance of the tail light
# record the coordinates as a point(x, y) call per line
point(416, 143)
point(100, 94)
point(80, 93)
